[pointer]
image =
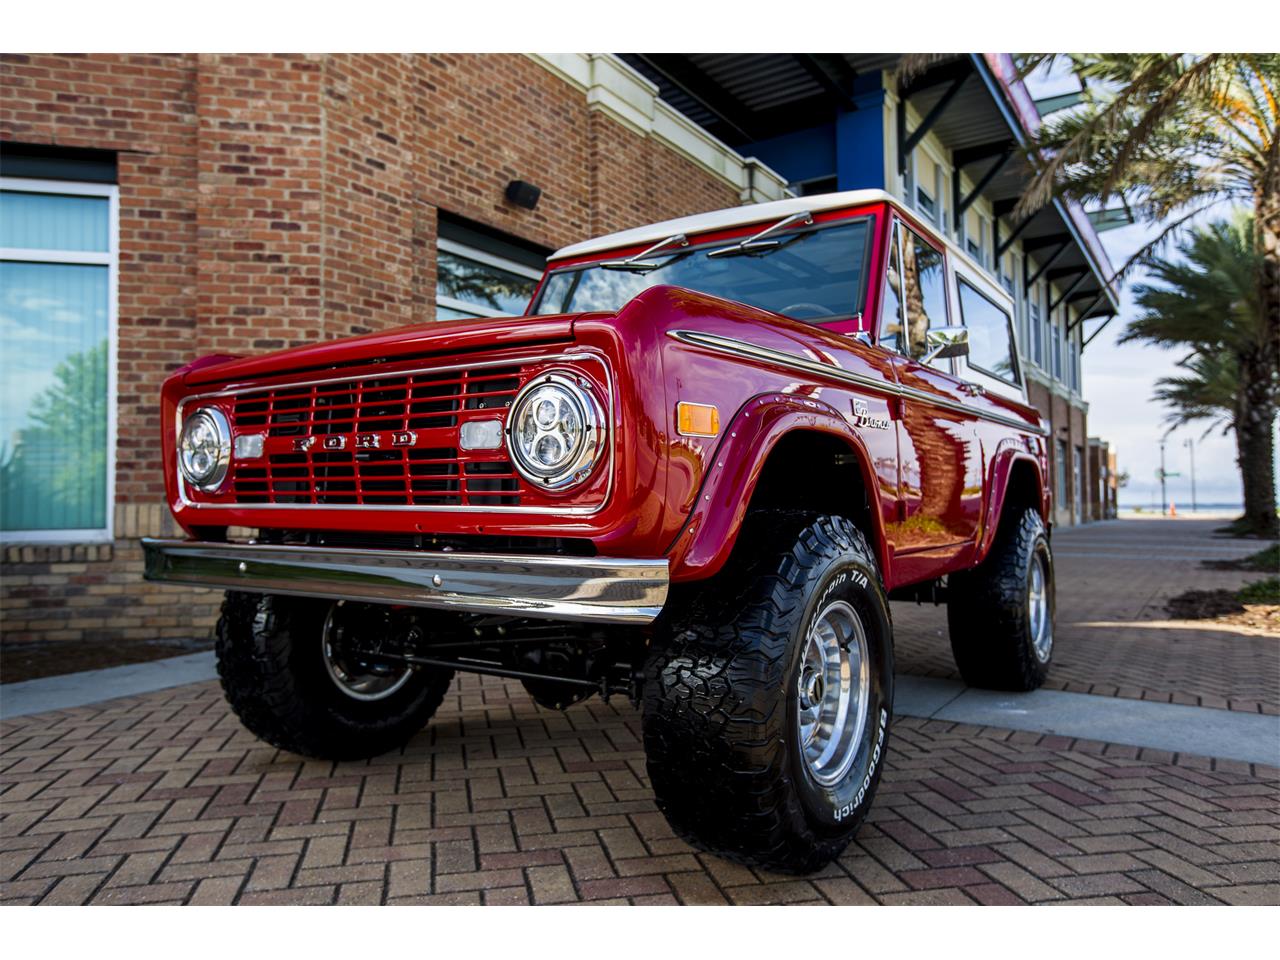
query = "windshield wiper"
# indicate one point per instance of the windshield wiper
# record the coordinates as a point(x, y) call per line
point(638, 263)
point(758, 243)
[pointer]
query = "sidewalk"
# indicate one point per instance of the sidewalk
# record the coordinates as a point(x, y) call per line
point(1113, 636)
point(161, 797)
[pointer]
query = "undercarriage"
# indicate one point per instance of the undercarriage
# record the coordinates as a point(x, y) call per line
point(370, 647)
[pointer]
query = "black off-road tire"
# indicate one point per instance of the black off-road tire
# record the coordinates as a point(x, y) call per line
point(270, 661)
point(988, 613)
point(720, 701)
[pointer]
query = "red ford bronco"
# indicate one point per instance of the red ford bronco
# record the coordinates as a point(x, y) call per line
point(694, 473)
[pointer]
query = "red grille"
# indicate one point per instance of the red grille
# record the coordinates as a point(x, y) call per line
point(379, 441)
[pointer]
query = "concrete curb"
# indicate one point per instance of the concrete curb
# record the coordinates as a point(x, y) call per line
point(1202, 731)
point(93, 686)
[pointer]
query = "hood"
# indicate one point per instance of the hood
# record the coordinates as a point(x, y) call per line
point(446, 338)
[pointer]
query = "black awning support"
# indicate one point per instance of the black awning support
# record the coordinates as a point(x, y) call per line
point(1003, 245)
point(833, 74)
point(961, 204)
point(1039, 243)
point(1084, 314)
point(1044, 267)
point(683, 74)
point(906, 143)
point(1080, 278)
point(964, 156)
point(1102, 326)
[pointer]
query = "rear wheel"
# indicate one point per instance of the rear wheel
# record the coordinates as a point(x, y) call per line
point(1000, 614)
point(298, 675)
point(766, 713)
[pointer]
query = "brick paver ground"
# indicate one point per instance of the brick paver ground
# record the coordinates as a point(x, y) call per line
point(1114, 636)
point(165, 798)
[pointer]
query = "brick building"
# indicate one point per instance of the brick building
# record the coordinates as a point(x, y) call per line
point(157, 208)
point(174, 206)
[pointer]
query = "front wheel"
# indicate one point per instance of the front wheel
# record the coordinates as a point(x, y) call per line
point(767, 709)
point(1000, 614)
point(298, 674)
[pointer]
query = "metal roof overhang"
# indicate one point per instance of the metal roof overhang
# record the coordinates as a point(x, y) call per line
point(743, 98)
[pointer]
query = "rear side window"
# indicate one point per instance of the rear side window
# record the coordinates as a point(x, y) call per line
point(990, 335)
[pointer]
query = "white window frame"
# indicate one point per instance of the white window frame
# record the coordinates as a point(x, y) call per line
point(111, 260)
point(488, 259)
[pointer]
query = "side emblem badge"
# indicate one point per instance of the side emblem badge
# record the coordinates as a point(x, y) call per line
point(862, 417)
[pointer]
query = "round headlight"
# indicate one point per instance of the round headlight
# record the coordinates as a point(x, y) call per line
point(554, 431)
point(204, 448)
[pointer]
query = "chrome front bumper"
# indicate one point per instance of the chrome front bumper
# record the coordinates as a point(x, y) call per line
point(593, 589)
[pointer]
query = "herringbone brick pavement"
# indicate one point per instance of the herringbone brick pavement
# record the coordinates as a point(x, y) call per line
point(1113, 635)
point(164, 798)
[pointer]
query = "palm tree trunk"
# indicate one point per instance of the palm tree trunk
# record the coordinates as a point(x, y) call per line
point(1255, 438)
point(1259, 372)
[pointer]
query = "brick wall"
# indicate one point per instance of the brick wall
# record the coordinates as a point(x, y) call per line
point(1068, 423)
point(269, 200)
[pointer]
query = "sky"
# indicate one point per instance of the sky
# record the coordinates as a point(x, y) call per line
point(1119, 381)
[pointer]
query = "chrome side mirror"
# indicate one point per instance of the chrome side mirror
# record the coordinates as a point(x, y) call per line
point(945, 343)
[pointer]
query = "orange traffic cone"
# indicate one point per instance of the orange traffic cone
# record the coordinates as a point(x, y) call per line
point(1173, 509)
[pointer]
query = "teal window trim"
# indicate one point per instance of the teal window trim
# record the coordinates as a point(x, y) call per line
point(110, 259)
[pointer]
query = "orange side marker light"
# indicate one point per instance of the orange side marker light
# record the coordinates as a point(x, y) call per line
point(697, 419)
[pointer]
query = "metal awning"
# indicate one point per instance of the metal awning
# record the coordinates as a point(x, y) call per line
point(974, 103)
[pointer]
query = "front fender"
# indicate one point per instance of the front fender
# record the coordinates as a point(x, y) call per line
point(708, 536)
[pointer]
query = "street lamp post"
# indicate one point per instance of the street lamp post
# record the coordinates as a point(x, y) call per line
point(1165, 474)
point(1190, 444)
point(1164, 499)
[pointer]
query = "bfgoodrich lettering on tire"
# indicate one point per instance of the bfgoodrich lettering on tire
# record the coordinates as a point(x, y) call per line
point(1000, 614)
point(767, 706)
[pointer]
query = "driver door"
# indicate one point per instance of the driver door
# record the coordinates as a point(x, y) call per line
point(940, 457)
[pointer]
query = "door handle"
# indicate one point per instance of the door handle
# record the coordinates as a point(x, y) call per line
point(973, 389)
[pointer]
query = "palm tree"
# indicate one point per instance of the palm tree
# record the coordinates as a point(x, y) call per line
point(1171, 135)
point(1208, 299)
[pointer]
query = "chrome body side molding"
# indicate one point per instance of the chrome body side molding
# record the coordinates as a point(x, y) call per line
point(751, 351)
point(589, 589)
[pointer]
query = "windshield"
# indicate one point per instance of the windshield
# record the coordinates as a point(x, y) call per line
point(815, 275)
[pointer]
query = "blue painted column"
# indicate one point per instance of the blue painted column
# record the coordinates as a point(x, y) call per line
point(860, 141)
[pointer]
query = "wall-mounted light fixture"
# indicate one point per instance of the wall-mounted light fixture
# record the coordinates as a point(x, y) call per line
point(523, 194)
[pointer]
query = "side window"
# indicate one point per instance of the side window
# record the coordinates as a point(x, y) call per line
point(990, 335)
point(925, 290)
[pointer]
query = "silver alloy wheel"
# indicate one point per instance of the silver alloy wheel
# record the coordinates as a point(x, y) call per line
point(356, 680)
point(833, 691)
point(1039, 616)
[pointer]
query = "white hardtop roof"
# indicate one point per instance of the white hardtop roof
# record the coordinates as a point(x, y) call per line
point(722, 220)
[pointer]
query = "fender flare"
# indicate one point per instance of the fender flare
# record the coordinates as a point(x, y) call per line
point(1008, 454)
point(710, 531)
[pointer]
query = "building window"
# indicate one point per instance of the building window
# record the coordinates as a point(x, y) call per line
point(479, 275)
point(1055, 347)
point(926, 205)
point(472, 283)
point(1060, 473)
point(1037, 328)
point(1077, 485)
point(1073, 360)
point(58, 257)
